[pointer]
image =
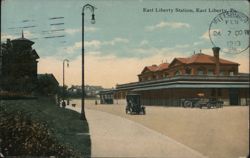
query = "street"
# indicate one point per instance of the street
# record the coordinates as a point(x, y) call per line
point(212, 132)
point(114, 136)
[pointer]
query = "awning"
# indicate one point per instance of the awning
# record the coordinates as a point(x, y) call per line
point(196, 85)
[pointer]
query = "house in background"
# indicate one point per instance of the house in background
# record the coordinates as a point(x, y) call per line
point(48, 86)
point(90, 91)
point(18, 65)
point(168, 83)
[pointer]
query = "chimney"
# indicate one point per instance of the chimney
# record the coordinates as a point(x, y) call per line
point(216, 51)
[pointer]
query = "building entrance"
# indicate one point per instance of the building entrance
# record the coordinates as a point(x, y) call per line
point(234, 97)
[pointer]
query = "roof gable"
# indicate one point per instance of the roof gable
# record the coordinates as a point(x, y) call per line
point(200, 58)
point(177, 61)
point(149, 69)
point(154, 68)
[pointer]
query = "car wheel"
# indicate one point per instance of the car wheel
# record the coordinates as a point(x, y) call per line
point(187, 104)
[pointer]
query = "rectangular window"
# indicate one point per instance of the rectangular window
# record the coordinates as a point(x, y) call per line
point(200, 72)
point(231, 73)
point(210, 72)
point(222, 73)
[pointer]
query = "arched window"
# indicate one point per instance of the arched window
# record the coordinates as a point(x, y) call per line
point(188, 70)
point(177, 73)
point(201, 71)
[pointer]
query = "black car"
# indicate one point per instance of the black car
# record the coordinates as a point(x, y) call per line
point(134, 105)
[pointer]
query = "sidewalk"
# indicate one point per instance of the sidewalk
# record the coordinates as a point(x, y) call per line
point(114, 136)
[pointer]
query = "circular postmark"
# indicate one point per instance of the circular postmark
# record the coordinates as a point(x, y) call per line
point(229, 30)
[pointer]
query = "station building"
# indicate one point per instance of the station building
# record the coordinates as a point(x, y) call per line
point(166, 84)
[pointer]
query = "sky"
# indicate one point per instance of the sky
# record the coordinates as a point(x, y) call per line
point(127, 36)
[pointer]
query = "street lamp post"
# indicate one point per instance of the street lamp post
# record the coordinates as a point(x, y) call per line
point(63, 102)
point(92, 9)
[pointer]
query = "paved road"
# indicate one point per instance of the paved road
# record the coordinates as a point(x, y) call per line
point(114, 136)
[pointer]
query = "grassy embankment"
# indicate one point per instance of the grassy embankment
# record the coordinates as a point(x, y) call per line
point(65, 124)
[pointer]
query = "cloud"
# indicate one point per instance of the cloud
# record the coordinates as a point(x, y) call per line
point(164, 24)
point(182, 46)
point(170, 53)
point(93, 44)
point(143, 43)
point(115, 41)
point(73, 48)
point(205, 35)
point(6, 36)
point(71, 31)
point(198, 43)
point(96, 44)
point(91, 29)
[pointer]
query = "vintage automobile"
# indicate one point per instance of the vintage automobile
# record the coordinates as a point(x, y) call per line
point(134, 105)
point(202, 102)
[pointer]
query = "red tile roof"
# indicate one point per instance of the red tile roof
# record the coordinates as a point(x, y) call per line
point(163, 66)
point(199, 58)
point(152, 68)
point(155, 68)
point(203, 58)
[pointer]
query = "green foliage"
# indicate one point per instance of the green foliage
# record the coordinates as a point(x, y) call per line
point(21, 136)
point(39, 128)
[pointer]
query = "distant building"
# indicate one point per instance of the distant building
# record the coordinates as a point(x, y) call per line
point(47, 84)
point(168, 83)
point(90, 91)
point(18, 65)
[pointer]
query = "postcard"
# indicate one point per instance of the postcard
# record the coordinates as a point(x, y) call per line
point(114, 78)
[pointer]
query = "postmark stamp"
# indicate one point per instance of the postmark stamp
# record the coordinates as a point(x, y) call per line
point(229, 30)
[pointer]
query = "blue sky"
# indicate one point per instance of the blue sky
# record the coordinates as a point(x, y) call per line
point(123, 37)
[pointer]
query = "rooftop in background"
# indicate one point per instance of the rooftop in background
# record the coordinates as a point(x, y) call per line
point(202, 58)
